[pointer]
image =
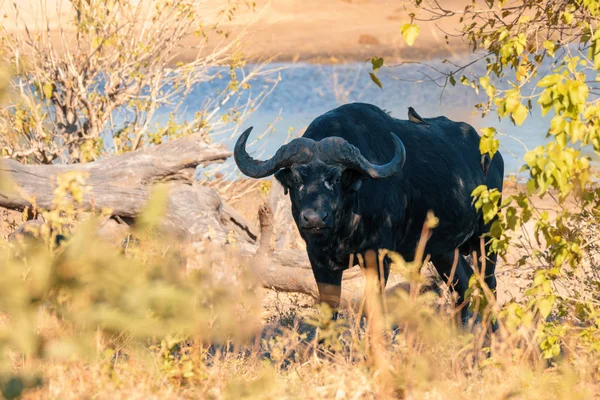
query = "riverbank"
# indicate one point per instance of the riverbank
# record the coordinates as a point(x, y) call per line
point(317, 31)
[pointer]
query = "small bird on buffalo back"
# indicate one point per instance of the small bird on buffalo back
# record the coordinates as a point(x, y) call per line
point(414, 117)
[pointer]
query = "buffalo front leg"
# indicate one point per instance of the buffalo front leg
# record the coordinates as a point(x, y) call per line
point(485, 262)
point(487, 258)
point(329, 284)
point(453, 268)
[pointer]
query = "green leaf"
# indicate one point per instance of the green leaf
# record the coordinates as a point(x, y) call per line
point(410, 32)
point(375, 79)
point(452, 80)
point(376, 62)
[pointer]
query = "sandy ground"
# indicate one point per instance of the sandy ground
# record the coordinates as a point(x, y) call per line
point(317, 30)
point(296, 30)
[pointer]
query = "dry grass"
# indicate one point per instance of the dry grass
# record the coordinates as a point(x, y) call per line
point(426, 356)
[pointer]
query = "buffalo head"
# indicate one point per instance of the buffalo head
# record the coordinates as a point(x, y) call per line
point(321, 177)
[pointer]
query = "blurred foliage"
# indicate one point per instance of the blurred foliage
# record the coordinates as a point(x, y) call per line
point(93, 287)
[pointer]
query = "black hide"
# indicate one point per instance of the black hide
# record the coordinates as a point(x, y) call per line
point(341, 212)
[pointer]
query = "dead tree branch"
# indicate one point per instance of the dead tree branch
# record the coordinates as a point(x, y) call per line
point(122, 184)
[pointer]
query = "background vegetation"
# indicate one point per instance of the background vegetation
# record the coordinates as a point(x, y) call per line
point(155, 318)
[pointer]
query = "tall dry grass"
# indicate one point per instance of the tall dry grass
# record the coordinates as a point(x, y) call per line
point(158, 320)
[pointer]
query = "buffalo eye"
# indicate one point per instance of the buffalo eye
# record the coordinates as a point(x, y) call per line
point(330, 183)
point(296, 180)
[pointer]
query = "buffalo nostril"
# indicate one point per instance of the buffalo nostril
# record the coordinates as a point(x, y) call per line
point(313, 217)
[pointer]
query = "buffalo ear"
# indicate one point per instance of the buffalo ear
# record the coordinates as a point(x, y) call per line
point(352, 180)
point(284, 176)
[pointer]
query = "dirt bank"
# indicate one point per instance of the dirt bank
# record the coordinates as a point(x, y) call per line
point(322, 31)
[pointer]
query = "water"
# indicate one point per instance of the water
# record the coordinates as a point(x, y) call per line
point(306, 91)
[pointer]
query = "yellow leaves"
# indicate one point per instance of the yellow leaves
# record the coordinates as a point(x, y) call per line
point(516, 317)
point(48, 90)
point(578, 92)
point(562, 87)
point(511, 102)
point(410, 32)
point(523, 70)
point(91, 149)
point(545, 307)
point(567, 17)
point(511, 105)
point(490, 89)
point(264, 187)
point(96, 42)
point(550, 80)
point(231, 237)
point(545, 101)
point(69, 194)
point(564, 95)
point(513, 48)
point(576, 131)
point(487, 201)
point(519, 114)
point(70, 185)
point(557, 125)
point(550, 47)
point(502, 35)
point(155, 209)
point(6, 184)
point(556, 166)
point(488, 143)
point(594, 52)
point(5, 78)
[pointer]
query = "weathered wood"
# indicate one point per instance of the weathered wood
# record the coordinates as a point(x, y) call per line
point(122, 184)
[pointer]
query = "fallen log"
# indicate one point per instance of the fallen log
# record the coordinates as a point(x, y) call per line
point(122, 184)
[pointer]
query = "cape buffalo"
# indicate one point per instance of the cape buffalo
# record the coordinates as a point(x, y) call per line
point(360, 179)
